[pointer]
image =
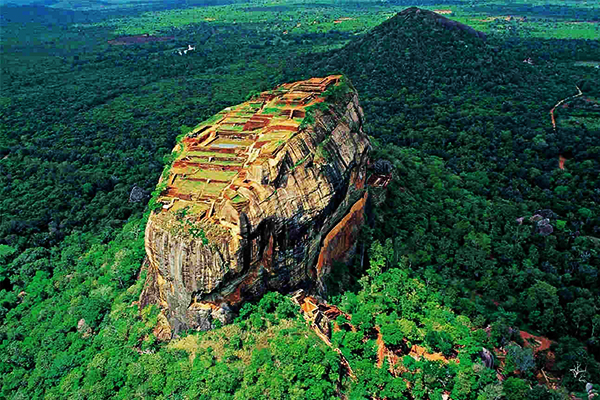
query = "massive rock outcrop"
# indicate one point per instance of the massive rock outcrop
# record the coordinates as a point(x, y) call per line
point(263, 196)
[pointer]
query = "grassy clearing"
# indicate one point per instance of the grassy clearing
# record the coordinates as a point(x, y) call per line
point(214, 189)
point(206, 154)
point(591, 123)
point(232, 162)
point(587, 63)
point(219, 341)
point(190, 187)
point(193, 208)
point(272, 110)
point(225, 141)
point(236, 120)
point(216, 175)
point(276, 136)
point(196, 187)
point(551, 19)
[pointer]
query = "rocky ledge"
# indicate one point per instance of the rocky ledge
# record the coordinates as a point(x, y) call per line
point(263, 196)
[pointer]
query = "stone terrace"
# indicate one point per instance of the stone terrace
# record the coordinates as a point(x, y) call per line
point(219, 153)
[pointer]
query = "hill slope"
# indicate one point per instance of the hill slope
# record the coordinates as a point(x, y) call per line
point(417, 52)
point(492, 218)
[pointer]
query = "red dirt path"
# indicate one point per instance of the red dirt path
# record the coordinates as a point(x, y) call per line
point(561, 162)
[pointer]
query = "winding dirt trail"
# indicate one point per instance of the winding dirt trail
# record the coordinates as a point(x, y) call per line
point(580, 93)
point(561, 162)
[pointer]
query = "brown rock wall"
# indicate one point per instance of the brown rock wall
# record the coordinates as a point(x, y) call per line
point(340, 242)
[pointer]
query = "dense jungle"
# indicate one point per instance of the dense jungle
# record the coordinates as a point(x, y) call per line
point(485, 241)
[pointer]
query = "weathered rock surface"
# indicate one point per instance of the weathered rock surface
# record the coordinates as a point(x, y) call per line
point(137, 194)
point(263, 196)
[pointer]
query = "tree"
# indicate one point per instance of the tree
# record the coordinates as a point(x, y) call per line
point(515, 388)
point(519, 359)
point(542, 303)
point(493, 391)
point(582, 312)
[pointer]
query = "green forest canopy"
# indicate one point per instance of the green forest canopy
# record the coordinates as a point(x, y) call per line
point(458, 256)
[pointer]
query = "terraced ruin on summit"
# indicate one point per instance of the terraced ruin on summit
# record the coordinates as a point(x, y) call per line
point(265, 195)
point(216, 162)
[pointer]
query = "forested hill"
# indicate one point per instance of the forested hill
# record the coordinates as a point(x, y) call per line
point(481, 205)
point(413, 15)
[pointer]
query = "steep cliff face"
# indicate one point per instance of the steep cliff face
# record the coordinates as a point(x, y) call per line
point(253, 198)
